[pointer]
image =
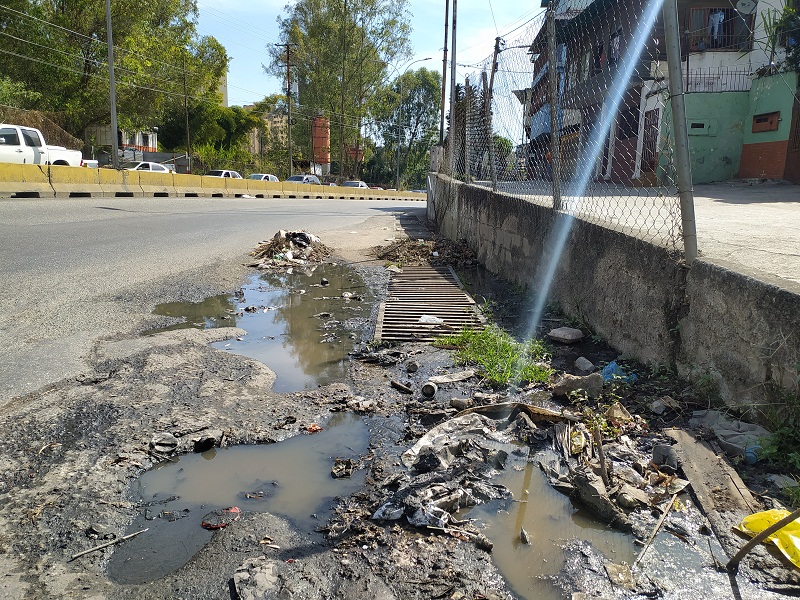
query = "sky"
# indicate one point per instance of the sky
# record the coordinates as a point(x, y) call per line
point(247, 27)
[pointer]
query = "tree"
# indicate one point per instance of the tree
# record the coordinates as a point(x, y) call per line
point(339, 56)
point(210, 124)
point(416, 111)
point(59, 50)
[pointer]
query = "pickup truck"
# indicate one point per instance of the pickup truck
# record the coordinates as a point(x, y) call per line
point(25, 145)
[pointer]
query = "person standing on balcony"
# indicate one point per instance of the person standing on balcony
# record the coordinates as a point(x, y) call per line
point(715, 19)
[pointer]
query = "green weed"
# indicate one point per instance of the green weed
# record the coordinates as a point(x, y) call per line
point(501, 358)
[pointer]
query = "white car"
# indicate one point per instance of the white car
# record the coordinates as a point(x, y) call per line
point(263, 177)
point(145, 166)
point(313, 179)
point(355, 184)
point(26, 145)
point(224, 173)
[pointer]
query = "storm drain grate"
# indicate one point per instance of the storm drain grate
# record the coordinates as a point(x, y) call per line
point(425, 291)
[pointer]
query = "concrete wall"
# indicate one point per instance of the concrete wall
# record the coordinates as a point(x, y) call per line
point(704, 321)
point(715, 123)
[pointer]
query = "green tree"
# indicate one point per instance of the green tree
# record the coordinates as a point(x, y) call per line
point(412, 102)
point(339, 56)
point(210, 124)
point(59, 50)
point(14, 93)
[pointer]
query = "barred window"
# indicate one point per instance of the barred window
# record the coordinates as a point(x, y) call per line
point(720, 28)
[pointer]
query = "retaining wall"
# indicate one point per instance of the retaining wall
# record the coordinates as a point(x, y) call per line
point(41, 181)
point(739, 333)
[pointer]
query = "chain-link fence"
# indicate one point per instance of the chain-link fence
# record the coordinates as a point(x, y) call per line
point(605, 153)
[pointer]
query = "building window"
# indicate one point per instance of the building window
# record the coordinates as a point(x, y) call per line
point(146, 140)
point(766, 122)
point(722, 28)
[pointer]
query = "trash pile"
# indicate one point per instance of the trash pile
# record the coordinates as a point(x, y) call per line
point(441, 251)
point(288, 248)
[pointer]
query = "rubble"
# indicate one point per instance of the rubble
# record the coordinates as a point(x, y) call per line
point(290, 248)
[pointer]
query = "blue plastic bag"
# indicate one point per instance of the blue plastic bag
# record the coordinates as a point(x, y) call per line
point(613, 372)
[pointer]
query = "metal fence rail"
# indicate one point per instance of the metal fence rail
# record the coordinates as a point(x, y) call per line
point(605, 154)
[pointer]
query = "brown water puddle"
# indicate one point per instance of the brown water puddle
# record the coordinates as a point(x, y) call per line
point(177, 495)
point(550, 519)
point(299, 327)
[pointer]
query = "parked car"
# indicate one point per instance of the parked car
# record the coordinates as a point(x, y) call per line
point(224, 173)
point(304, 179)
point(263, 177)
point(26, 145)
point(375, 187)
point(140, 165)
point(355, 184)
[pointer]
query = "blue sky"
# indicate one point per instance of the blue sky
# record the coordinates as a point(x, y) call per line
point(246, 27)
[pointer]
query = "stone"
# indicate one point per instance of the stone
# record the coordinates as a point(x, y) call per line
point(565, 335)
point(584, 364)
point(257, 579)
point(658, 407)
point(591, 384)
point(412, 366)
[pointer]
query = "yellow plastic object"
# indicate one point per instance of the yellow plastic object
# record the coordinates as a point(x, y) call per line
point(786, 539)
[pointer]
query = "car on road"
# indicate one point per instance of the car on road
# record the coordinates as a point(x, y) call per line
point(304, 178)
point(224, 173)
point(355, 184)
point(140, 165)
point(263, 177)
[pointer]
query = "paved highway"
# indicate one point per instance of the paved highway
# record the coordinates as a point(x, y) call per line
point(75, 270)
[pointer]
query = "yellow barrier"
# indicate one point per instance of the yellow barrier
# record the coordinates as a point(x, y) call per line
point(213, 186)
point(74, 181)
point(290, 189)
point(264, 189)
point(156, 184)
point(25, 180)
point(185, 184)
point(235, 187)
point(119, 183)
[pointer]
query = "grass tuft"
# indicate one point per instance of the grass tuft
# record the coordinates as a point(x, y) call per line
point(501, 359)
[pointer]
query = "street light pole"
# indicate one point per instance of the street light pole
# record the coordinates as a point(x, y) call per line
point(399, 113)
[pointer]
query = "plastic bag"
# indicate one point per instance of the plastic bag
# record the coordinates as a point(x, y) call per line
point(786, 539)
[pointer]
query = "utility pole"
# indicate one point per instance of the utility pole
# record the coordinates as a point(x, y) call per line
point(112, 89)
point(444, 71)
point(288, 47)
point(341, 116)
point(488, 108)
point(186, 114)
point(555, 132)
point(451, 135)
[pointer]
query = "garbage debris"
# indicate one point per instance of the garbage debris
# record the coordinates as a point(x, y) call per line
point(452, 377)
point(734, 436)
point(164, 443)
point(342, 467)
point(222, 517)
point(290, 247)
point(565, 335)
point(402, 387)
point(613, 372)
point(430, 320)
point(786, 539)
point(429, 389)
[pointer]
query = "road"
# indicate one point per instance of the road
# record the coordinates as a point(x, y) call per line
point(76, 270)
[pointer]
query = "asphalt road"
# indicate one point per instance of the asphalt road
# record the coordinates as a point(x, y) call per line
point(76, 270)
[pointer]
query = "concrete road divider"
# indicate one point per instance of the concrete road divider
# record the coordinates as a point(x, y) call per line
point(235, 187)
point(156, 184)
point(118, 183)
point(264, 189)
point(72, 181)
point(25, 181)
point(190, 186)
point(213, 186)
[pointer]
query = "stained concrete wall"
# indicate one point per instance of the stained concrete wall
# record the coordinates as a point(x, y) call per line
point(706, 320)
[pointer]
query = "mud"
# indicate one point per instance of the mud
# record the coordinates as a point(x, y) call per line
point(73, 452)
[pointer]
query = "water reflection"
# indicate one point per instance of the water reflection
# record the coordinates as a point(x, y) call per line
point(216, 311)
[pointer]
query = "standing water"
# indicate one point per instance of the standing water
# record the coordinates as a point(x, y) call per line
point(300, 327)
point(175, 496)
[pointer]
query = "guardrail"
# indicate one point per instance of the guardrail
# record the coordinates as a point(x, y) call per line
point(42, 181)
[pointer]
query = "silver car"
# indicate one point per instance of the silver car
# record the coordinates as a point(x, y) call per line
point(304, 179)
point(263, 177)
point(224, 173)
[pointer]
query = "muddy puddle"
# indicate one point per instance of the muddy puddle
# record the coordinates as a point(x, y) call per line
point(301, 323)
point(176, 496)
point(550, 519)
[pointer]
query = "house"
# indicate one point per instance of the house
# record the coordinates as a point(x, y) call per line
point(742, 119)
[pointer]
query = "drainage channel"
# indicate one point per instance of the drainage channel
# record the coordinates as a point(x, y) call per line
point(424, 303)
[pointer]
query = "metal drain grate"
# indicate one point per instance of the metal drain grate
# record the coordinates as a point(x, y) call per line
point(425, 290)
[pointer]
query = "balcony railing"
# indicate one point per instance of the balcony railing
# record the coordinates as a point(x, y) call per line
point(716, 79)
point(723, 28)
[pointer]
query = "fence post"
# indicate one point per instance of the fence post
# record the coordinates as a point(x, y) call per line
point(683, 166)
point(555, 132)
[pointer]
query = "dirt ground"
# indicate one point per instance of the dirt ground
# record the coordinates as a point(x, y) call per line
point(71, 451)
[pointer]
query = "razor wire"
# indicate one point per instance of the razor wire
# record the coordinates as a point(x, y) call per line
point(606, 155)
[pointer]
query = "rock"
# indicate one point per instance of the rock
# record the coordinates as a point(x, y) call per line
point(524, 536)
point(591, 491)
point(584, 365)
point(205, 440)
point(361, 404)
point(257, 579)
point(565, 335)
point(665, 458)
point(618, 413)
point(658, 407)
point(342, 467)
point(324, 281)
point(591, 384)
point(783, 482)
